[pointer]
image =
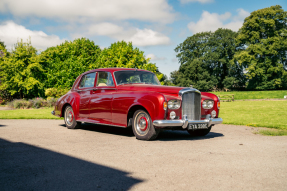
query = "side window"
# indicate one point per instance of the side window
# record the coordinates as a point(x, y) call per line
point(105, 79)
point(88, 80)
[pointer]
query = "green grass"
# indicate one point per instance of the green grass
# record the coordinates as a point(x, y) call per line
point(241, 95)
point(28, 114)
point(271, 114)
point(273, 132)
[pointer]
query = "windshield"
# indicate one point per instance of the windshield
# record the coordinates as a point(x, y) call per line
point(130, 77)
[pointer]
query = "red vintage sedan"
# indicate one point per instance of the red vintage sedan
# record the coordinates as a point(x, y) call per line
point(134, 98)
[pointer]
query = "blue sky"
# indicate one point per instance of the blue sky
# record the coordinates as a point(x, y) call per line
point(154, 26)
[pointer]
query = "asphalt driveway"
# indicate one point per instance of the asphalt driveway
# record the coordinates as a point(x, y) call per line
point(44, 155)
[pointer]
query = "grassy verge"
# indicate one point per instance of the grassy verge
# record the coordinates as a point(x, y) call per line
point(241, 95)
point(28, 114)
point(271, 114)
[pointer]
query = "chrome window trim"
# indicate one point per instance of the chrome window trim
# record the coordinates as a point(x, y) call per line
point(135, 70)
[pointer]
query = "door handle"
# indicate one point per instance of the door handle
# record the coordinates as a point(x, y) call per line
point(95, 89)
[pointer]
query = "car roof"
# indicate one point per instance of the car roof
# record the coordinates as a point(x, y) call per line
point(114, 70)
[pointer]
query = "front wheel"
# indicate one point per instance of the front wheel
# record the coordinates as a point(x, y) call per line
point(201, 132)
point(142, 126)
point(69, 118)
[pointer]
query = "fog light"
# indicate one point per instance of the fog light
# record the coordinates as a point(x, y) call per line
point(213, 114)
point(172, 115)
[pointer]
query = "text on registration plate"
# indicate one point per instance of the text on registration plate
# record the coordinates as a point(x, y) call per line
point(197, 126)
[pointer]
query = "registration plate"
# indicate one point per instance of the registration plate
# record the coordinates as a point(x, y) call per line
point(197, 126)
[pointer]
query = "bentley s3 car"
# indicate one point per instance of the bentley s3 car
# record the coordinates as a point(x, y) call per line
point(134, 98)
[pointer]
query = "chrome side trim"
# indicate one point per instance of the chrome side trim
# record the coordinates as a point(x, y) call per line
point(100, 123)
point(184, 123)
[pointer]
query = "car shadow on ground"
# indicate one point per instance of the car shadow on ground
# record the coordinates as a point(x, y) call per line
point(165, 135)
point(26, 167)
point(176, 135)
point(2, 125)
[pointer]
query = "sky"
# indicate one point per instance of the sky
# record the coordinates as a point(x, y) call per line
point(156, 27)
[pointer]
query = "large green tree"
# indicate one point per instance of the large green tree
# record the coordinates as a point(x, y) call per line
point(263, 48)
point(65, 62)
point(123, 54)
point(21, 74)
point(206, 61)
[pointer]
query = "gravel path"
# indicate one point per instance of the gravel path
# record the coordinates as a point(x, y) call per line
point(44, 155)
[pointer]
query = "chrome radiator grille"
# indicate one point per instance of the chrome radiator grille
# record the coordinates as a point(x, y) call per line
point(191, 105)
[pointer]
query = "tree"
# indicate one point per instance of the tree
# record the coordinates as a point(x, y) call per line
point(21, 74)
point(263, 48)
point(123, 54)
point(65, 62)
point(206, 61)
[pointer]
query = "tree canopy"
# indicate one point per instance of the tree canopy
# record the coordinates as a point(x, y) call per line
point(123, 55)
point(263, 48)
point(206, 61)
point(21, 74)
point(65, 62)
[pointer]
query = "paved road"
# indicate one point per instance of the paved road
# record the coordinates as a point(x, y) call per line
point(44, 155)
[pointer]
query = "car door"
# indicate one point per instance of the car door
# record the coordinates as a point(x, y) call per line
point(101, 98)
point(85, 91)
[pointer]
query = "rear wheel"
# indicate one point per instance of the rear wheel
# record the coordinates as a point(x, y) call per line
point(201, 132)
point(142, 126)
point(69, 118)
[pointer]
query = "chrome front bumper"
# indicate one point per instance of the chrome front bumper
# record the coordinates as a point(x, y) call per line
point(184, 122)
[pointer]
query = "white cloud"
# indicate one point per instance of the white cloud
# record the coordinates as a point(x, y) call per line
point(139, 37)
point(91, 10)
point(154, 57)
point(213, 21)
point(192, 1)
point(11, 32)
point(148, 37)
point(105, 29)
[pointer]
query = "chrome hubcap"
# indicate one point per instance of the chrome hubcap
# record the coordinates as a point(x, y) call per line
point(69, 116)
point(142, 123)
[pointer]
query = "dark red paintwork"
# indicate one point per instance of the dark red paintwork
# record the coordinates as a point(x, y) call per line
point(112, 105)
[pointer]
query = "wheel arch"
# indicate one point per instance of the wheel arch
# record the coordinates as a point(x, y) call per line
point(63, 108)
point(132, 110)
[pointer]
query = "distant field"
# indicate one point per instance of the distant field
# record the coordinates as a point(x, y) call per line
point(255, 94)
point(271, 114)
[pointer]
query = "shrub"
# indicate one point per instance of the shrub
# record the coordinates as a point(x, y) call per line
point(51, 101)
point(55, 92)
point(38, 102)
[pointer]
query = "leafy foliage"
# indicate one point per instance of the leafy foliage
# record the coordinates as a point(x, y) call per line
point(65, 62)
point(55, 92)
point(207, 61)
point(124, 55)
point(21, 74)
point(263, 48)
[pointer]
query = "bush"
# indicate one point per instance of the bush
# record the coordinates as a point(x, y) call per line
point(51, 101)
point(55, 92)
point(38, 102)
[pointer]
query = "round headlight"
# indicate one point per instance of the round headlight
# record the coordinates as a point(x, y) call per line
point(207, 104)
point(210, 104)
point(204, 104)
point(213, 114)
point(172, 115)
point(173, 104)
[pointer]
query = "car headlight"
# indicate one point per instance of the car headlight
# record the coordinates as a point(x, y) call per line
point(207, 104)
point(173, 104)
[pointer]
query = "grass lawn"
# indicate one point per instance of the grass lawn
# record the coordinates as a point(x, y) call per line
point(271, 114)
point(28, 114)
point(241, 95)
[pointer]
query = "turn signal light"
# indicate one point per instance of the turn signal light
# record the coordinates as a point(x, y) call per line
point(165, 105)
point(218, 104)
